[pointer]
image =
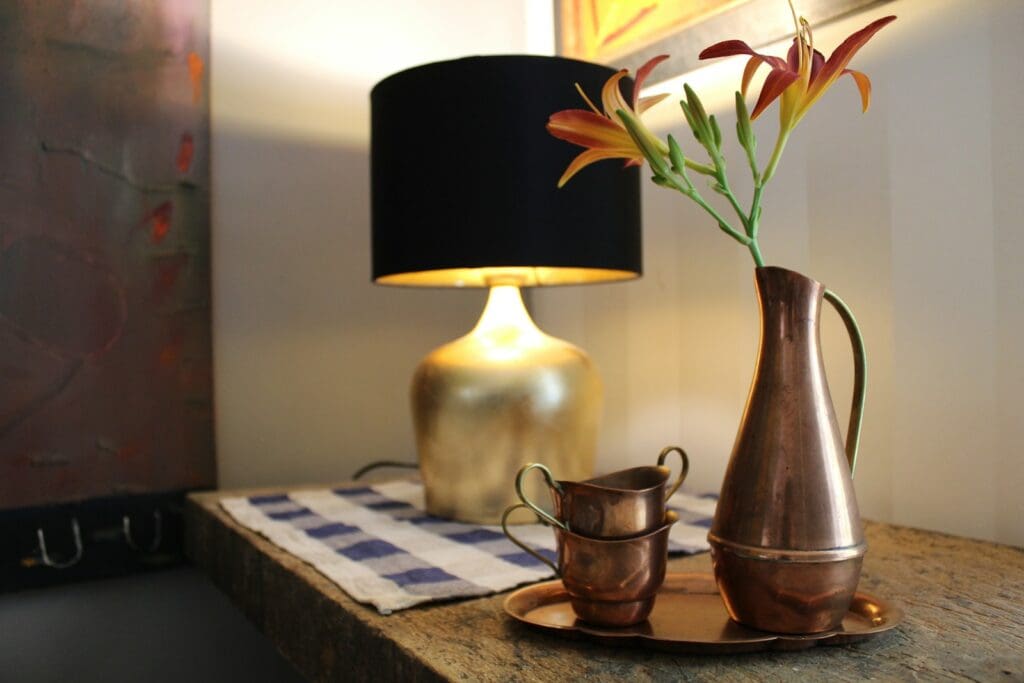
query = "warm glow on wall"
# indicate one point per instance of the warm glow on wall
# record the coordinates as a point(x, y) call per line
point(601, 30)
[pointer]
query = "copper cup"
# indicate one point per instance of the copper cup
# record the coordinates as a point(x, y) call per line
point(609, 582)
point(618, 505)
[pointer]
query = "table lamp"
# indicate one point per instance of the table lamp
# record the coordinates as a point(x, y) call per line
point(464, 195)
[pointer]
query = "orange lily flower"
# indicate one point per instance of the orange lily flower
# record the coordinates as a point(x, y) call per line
point(804, 75)
point(601, 132)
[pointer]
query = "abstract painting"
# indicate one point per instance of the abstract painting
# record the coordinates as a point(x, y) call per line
point(105, 356)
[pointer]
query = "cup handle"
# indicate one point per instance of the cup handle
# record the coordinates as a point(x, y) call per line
point(682, 473)
point(529, 503)
point(504, 527)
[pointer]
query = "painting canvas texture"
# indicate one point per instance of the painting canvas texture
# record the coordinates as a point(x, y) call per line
point(105, 358)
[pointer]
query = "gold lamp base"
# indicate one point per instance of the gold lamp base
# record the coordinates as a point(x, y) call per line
point(504, 395)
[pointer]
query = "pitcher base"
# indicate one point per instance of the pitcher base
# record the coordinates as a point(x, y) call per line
point(783, 596)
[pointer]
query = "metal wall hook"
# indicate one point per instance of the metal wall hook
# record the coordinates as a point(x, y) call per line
point(126, 525)
point(49, 561)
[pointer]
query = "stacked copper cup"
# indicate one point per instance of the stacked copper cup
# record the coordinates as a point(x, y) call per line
point(612, 535)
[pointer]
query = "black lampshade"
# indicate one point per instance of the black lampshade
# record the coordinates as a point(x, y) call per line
point(464, 177)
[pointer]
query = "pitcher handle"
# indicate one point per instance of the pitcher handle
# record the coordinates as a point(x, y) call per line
point(682, 473)
point(529, 503)
point(504, 527)
point(860, 376)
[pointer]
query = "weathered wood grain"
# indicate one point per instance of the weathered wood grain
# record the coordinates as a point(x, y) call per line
point(964, 604)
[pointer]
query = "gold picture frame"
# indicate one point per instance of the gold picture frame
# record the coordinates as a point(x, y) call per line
point(626, 33)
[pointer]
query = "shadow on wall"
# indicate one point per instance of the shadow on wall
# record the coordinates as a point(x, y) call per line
point(313, 362)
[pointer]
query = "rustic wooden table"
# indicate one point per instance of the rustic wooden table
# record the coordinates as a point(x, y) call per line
point(964, 604)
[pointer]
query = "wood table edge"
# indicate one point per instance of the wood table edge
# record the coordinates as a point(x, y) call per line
point(291, 603)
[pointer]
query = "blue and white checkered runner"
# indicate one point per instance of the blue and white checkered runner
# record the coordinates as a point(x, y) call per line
point(377, 543)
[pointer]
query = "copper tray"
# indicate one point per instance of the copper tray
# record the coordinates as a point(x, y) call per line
point(689, 616)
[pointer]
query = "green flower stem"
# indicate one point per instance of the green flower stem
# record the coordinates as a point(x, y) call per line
point(714, 151)
point(690, 191)
point(722, 223)
point(750, 221)
point(675, 176)
point(748, 240)
point(780, 144)
point(755, 251)
point(723, 182)
point(755, 210)
point(752, 160)
point(706, 131)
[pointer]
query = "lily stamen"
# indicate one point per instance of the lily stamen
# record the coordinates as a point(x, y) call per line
point(810, 36)
point(586, 99)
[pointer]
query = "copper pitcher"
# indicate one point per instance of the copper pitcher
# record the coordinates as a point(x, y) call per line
point(786, 540)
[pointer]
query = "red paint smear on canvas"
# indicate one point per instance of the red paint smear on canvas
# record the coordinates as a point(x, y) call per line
point(160, 221)
point(195, 74)
point(186, 149)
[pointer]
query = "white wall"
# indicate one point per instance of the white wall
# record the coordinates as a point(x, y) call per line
point(912, 213)
point(312, 362)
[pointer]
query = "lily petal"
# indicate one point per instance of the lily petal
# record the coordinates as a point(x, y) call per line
point(611, 95)
point(774, 85)
point(863, 85)
point(646, 103)
point(753, 64)
point(730, 48)
point(590, 156)
point(837, 62)
point(587, 129)
point(641, 75)
point(817, 62)
point(793, 56)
